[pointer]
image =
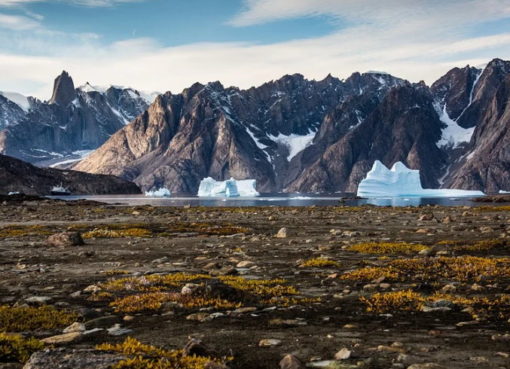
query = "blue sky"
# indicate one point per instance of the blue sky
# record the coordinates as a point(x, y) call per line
point(160, 45)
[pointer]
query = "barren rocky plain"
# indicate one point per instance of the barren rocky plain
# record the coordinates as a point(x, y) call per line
point(88, 285)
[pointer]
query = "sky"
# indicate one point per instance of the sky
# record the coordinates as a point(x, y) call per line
point(167, 45)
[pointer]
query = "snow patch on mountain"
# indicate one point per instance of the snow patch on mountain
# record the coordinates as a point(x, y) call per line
point(295, 143)
point(453, 134)
point(19, 99)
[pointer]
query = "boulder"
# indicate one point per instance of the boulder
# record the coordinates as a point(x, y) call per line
point(65, 239)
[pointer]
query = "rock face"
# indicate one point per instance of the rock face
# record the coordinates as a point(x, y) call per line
point(18, 176)
point(486, 164)
point(212, 131)
point(63, 90)
point(73, 120)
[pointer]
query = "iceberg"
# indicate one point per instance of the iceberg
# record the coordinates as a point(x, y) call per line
point(229, 188)
point(400, 181)
point(160, 192)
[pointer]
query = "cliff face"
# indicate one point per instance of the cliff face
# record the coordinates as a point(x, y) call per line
point(18, 176)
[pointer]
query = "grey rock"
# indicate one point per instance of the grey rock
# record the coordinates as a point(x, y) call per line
point(72, 359)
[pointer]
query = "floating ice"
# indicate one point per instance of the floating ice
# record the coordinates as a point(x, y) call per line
point(400, 181)
point(229, 188)
point(161, 192)
point(504, 192)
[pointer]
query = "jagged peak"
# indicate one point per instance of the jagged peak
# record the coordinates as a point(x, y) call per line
point(499, 64)
point(63, 90)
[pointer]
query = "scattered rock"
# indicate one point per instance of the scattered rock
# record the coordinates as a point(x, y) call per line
point(65, 239)
point(426, 217)
point(195, 347)
point(291, 362)
point(343, 354)
point(62, 339)
point(38, 300)
point(501, 337)
point(269, 342)
point(117, 330)
point(200, 317)
point(75, 327)
point(282, 233)
point(245, 264)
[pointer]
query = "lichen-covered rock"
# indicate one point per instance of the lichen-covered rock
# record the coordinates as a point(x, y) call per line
point(72, 359)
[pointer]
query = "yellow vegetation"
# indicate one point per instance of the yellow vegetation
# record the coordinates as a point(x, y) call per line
point(390, 302)
point(462, 269)
point(15, 348)
point(479, 306)
point(143, 356)
point(154, 301)
point(319, 263)
point(22, 231)
point(388, 248)
point(207, 228)
point(20, 319)
point(151, 292)
point(121, 233)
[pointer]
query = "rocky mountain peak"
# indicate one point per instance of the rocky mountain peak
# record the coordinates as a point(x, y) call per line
point(63, 90)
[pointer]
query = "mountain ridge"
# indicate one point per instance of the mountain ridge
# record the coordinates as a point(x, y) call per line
point(299, 135)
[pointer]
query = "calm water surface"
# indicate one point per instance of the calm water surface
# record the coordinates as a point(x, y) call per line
point(275, 200)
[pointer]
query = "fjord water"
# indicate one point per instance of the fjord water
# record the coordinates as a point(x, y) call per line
point(276, 200)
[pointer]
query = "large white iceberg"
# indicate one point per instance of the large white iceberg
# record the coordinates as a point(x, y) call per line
point(401, 181)
point(161, 192)
point(229, 188)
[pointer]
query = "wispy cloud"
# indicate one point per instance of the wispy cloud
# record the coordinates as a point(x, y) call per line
point(18, 22)
point(91, 3)
point(383, 12)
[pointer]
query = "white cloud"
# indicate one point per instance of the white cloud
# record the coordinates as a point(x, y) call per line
point(17, 22)
point(412, 39)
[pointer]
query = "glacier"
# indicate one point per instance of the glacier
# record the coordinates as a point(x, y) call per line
point(209, 187)
point(160, 192)
point(401, 181)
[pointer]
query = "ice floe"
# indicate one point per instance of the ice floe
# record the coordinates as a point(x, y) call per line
point(400, 181)
point(229, 188)
point(160, 192)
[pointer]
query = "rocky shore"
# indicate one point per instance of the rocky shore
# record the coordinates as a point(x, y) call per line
point(87, 285)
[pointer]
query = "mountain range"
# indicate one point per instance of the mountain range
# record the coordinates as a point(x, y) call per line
point(291, 134)
point(73, 122)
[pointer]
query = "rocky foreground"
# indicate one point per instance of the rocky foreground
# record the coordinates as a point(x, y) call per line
point(85, 285)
